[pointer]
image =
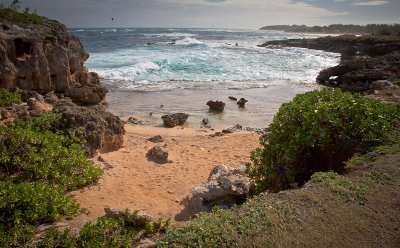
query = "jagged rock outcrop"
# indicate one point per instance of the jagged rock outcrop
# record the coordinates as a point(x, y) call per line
point(176, 119)
point(365, 59)
point(224, 188)
point(101, 131)
point(44, 58)
point(347, 45)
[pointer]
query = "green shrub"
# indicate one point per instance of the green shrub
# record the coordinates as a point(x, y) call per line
point(21, 19)
point(30, 151)
point(7, 98)
point(24, 205)
point(106, 232)
point(318, 131)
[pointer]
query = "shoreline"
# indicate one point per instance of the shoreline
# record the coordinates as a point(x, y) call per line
point(259, 111)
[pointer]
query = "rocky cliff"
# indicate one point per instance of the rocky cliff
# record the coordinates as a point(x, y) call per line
point(368, 62)
point(43, 56)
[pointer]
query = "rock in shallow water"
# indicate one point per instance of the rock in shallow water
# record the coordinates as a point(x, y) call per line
point(176, 119)
point(217, 106)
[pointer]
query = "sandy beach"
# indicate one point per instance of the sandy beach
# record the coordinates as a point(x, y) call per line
point(132, 182)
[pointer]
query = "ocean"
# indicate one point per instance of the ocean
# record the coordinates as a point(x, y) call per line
point(164, 70)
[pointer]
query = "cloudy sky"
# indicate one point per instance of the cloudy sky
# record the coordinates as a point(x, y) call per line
point(215, 13)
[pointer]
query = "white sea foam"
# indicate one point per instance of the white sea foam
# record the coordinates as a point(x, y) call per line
point(128, 73)
point(174, 34)
point(188, 41)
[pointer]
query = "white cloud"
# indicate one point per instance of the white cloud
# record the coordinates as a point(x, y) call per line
point(370, 3)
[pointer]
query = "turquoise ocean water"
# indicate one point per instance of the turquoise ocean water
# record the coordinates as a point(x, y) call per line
point(182, 69)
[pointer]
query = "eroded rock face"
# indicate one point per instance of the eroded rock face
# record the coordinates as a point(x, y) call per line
point(45, 58)
point(100, 130)
point(224, 188)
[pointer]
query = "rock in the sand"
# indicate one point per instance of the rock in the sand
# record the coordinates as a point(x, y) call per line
point(100, 130)
point(224, 188)
point(216, 106)
point(156, 139)
point(232, 98)
point(241, 102)
point(156, 154)
point(176, 119)
point(237, 127)
point(134, 121)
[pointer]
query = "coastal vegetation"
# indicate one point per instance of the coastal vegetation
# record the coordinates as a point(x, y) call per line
point(7, 98)
point(374, 29)
point(36, 169)
point(329, 203)
point(319, 131)
point(10, 13)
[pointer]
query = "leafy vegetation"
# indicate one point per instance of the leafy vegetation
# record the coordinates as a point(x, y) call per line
point(8, 98)
point(24, 205)
point(31, 151)
point(22, 19)
point(339, 185)
point(318, 131)
point(37, 165)
point(106, 232)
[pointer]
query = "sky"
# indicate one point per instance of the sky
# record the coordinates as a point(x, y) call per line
point(248, 14)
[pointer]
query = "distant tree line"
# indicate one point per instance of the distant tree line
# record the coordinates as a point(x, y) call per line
point(375, 29)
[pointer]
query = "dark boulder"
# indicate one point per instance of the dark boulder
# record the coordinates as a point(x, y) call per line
point(217, 106)
point(241, 102)
point(157, 155)
point(176, 119)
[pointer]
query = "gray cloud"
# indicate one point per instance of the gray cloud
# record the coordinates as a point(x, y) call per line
point(204, 13)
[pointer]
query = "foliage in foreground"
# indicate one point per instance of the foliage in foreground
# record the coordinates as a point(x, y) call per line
point(318, 131)
point(24, 205)
point(31, 151)
point(106, 232)
point(8, 98)
point(310, 217)
point(37, 166)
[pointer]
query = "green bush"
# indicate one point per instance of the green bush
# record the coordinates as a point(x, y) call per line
point(31, 151)
point(318, 131)
point(106, 232)
point(21, 19)
point(24, 205)
point(7, 98)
